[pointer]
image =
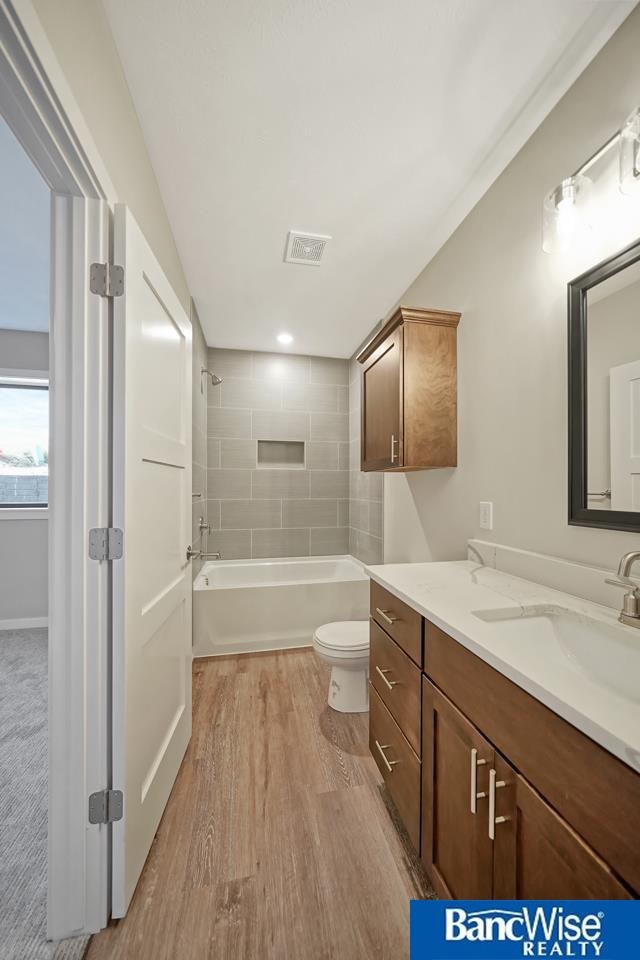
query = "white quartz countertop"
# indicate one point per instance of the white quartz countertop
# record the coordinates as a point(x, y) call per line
point(451, 595)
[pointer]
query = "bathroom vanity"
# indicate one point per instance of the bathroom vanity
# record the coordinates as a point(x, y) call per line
point(513, 762)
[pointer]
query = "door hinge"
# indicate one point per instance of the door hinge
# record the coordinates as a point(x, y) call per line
point(106, 279)
point(106, 806)
point(105, 543)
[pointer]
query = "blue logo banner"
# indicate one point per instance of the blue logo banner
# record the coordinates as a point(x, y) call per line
point(510, 929)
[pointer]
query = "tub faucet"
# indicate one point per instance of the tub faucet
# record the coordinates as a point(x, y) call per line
point(199, 555)
point(630, 613)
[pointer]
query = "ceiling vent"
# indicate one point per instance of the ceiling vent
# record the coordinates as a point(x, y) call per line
point(305, 247)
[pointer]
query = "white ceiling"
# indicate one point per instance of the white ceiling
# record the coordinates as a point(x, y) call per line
point(380, 123)
point(24, 239)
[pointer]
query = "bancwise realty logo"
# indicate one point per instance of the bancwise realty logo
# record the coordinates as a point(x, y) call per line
point(510, 929)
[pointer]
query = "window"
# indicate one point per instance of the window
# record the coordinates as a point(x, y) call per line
point(24, 444)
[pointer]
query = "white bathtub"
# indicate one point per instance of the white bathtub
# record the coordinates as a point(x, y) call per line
point(241, 606)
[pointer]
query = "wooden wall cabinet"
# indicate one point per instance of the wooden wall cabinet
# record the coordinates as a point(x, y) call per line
point(409, 392)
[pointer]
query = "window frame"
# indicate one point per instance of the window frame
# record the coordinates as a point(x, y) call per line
point(33, 380)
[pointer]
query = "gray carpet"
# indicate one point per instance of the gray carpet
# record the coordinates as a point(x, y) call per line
point(23, 801)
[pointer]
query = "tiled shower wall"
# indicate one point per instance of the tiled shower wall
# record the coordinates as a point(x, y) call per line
point(199, 435)
point(259, 511)
point(365, 489)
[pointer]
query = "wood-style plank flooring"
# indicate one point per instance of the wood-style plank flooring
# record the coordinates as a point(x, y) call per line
point(277, 842)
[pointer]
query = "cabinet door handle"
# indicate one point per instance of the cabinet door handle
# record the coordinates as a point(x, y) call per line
point(384, 615)
point(389, 764)
point(475, 796)
point(390, 683)
point(493, 786)
point(394, 455)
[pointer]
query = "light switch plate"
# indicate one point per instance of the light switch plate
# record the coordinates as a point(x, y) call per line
point(486, 515)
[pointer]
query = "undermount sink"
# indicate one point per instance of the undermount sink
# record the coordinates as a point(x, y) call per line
point(607, 653)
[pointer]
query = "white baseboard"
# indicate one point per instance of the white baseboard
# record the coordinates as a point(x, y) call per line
point(25, 623)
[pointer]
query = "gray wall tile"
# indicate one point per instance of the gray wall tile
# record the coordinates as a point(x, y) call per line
point(229, 484)
point(251, 394)
point(329, 426)
point(228, 423)
point(213, 514)
point(310, 513)
point(327, 541)
point(311, 397)
point(213, 454)
point(283, 368)
point(230, 363)
point(280, 425)
point(282, 397)
point(328, 370)
point(283, 484)
point(333, 484)
point(238, 453)
point(249, 514)
point(323, 455)
point(280, 543)
point(232, 544)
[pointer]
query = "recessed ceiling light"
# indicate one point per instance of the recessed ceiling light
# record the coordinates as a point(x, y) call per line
point(284, 338)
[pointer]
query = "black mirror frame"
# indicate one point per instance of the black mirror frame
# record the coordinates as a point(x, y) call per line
point(579, 515)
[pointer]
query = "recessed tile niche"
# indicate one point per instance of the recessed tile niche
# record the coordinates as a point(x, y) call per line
point(281, 453)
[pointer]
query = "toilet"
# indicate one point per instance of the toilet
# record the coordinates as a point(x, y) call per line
point(345, 646)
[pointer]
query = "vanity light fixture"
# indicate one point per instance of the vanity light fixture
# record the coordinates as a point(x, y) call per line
point(566, 208)
point(630, 154)
point(284, 338)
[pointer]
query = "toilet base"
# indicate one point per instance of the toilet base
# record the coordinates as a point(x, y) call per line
point(349, 689)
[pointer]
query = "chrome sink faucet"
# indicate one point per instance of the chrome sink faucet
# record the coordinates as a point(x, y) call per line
point(630, 613)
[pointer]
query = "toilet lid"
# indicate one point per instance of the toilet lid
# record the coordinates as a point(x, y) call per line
point(344, 635)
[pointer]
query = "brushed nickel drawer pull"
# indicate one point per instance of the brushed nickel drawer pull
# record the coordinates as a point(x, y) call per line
point(394, 455)
point(493, 786)
point(389, 764)
point(383, 614)
point(475, 796)
point(390, 683)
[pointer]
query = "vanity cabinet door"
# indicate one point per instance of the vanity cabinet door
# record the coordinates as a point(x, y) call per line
point(537, 855)
point(456, 849)
point(382, 429)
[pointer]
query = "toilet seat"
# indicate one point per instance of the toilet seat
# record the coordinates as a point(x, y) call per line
point(346, 637)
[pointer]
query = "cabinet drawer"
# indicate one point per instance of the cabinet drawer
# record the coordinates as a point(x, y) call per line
point(397, 679)
point(397, 763)
point(397, 619)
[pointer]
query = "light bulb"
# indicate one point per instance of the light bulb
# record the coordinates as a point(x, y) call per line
point(630, 154)
point(566, 214)
point(284, 338)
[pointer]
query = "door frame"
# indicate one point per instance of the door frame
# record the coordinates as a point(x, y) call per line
point(40, 109)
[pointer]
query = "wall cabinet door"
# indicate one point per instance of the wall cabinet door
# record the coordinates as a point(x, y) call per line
point(536, 853)
point(382, 434)
point(456, 759)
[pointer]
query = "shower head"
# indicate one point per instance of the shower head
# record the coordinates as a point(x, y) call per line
point(215, 380)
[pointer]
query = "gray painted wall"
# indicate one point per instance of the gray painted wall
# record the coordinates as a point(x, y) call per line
point(278, 512)
point(512, 343)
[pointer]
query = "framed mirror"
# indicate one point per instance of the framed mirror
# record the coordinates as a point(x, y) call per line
point(604, 394)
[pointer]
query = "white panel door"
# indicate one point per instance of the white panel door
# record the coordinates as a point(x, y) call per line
point(152, 582)
point(625, 436)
